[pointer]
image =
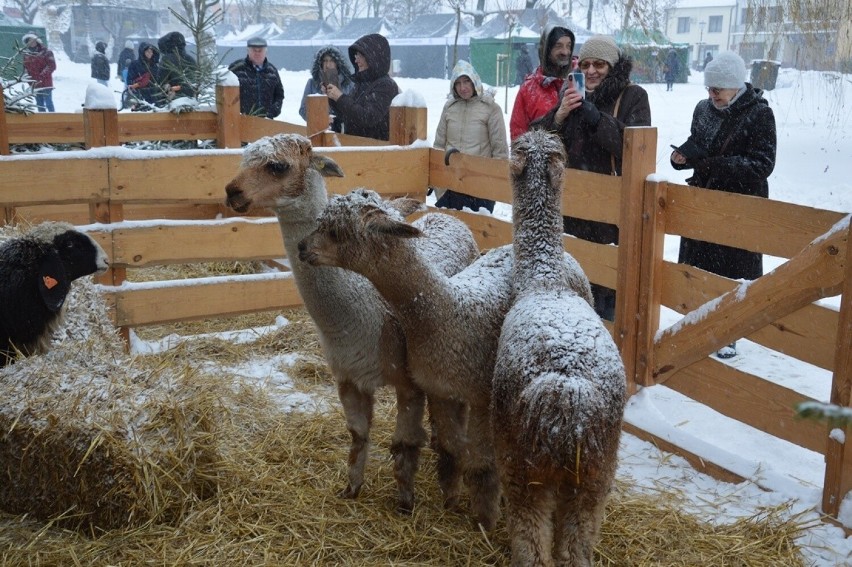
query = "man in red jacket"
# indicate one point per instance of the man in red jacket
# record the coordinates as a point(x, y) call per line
point(39, 65)
point(540, 91)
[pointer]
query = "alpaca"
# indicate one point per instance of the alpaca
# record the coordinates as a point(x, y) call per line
point(451, 325)
point(361, 340)
point(559, 386)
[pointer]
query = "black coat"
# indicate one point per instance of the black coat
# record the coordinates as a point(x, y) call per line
point(142, 70)
point(100, 66)
point(125, 58)
point(740, 142)
point(366, 112)
point(600, 149)
point(261, 91)
point(177, 67)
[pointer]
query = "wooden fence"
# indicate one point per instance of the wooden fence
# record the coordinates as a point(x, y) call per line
point(120, 190)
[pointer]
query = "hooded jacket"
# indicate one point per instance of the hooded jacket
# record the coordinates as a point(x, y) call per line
point(261, 91)
point(600, 148)
point(144, 73)
point(740, 142)
point(125, 58)
point(366, 111)
point(344, 76)
point(100, 63)
point(474, 126)
point(177, 67)
point(540, 90)
point(40, 64)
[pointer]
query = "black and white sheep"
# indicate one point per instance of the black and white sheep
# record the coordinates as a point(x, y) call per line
point(36, 271)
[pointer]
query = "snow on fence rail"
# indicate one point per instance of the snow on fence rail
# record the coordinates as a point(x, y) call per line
point(121, 189)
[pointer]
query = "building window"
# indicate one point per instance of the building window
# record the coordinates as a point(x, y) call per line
point(714, 24)
point(776, 14)
point(683, 25)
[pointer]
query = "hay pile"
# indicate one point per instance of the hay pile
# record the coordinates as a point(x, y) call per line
point(175, 459)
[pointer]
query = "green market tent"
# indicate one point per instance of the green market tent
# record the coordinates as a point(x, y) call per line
point(11, 31)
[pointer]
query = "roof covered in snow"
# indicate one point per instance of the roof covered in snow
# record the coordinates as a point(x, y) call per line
point(432, 25)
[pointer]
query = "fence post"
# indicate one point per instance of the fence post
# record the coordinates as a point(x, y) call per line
point(316, 108)
point(407, 125)
point(638, 161)
point(838, 461)
point(100, 127)
point(4, 128)
point(228, 116)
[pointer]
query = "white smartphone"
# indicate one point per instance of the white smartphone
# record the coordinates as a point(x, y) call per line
point(579, 80)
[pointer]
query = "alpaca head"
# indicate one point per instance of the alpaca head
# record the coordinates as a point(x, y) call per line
point(537, 165)
point(275, 171)
point(357, 228)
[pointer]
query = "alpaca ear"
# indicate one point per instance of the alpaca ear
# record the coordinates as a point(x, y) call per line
point(53, 284)
point(406, 205)
point(378, 222)
point(326, 166)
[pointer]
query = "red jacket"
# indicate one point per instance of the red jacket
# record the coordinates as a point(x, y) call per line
point(40, 65)
point(536, 96)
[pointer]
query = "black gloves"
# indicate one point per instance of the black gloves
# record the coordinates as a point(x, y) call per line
point(589, 114)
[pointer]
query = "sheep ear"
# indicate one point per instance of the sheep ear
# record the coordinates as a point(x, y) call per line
point(53, 284)
point(326, 166)
point(378, 222)
point(406, 205)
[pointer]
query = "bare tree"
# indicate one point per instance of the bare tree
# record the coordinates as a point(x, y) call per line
point(29, 8)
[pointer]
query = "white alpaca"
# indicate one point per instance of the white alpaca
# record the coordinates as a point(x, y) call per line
point(362, 341)
point(559, 386)
point(451, 325)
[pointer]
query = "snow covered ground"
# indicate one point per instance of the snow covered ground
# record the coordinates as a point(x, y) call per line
point(814, 168)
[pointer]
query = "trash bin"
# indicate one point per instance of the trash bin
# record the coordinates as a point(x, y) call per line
point(764, 74)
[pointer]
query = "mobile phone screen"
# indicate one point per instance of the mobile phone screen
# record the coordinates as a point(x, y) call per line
point(579, 80)
point(329, 77)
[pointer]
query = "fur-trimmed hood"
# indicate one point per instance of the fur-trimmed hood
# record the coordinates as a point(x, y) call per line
point(344, 70)
point(614, 83)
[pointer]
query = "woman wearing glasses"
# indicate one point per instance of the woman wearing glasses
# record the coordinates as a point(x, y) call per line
point(591, 124)
point(731, 148)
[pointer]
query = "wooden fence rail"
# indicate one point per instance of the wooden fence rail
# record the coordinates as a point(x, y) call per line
point(775, 311)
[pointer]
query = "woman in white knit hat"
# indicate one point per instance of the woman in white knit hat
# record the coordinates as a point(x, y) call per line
point(591, 125)
point(731, 147)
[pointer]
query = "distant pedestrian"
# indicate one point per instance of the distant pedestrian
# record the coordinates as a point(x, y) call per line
point(671, 68)
point(329, 67)
point(39, 64)
point(261, 91)
point(523, 64)
point(100, 64)
point(125, 58)
point(708, 57)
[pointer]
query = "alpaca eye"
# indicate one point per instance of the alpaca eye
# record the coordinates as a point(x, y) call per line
point(277, 168)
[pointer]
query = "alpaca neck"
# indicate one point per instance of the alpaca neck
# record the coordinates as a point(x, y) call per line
point(537, 244)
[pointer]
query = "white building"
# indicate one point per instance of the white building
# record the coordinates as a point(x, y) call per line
point(706, 25)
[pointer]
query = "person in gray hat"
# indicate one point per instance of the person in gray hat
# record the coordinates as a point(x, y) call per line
point(261, 91)
point(731, 147)
point(591, 123)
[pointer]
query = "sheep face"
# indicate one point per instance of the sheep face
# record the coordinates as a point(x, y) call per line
point(536, 156)
point(274, 171)
point(355, 227)
point(81, 255)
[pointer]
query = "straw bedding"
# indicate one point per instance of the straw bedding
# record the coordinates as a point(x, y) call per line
point(173, 459)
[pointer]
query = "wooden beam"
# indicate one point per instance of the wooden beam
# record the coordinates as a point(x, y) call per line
point(227, 116)
point(4, 128)
point(316, 107)
point(407, 125)
point(814, 274)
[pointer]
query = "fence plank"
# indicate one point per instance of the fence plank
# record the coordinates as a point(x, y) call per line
point(195, 178)
point(45, 128)
point(135, 305)
point(29, 180)
point(167, 126)
point(227, 116)
point(4, 128)
point(815, 273)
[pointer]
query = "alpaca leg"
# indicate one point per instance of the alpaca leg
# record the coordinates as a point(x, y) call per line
point(579, 527)
point(530, 508)
point(481, 471)
point(407, 440)
point(448, 419)
point(358, 410)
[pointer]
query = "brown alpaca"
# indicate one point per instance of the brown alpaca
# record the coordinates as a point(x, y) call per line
point(451, 325)
point(559, 387)
point(361, 339)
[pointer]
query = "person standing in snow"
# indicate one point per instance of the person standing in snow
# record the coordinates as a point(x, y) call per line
point(731, 147)
point(328, 64)
point(472, 123)
point(592, 129)
point(39, 64)
point(708, 57)
point(100, 64)
point(671, 69)
point(523, 64)
point(125, 58)
point(178, 69)
point(540, 91)
point(366, 111)
point(261, 91)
